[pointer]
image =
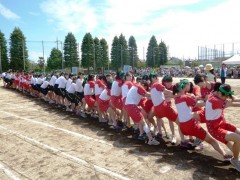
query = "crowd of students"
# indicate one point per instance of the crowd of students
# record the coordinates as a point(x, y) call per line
point(124, 101)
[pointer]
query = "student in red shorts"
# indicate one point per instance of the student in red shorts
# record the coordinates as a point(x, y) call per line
point(227, 133)
point(188, 124)
point(134, 96)
point(161, 108)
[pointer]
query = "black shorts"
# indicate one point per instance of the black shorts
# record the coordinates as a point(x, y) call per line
point(44, 91)
point(34, 87)
point(38, 87)
point(51, 88)
point(55, 89)
point(62, 92)
point(79, 96)
point(72, 98)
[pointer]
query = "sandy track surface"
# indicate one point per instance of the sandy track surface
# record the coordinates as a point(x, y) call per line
point(41, 141)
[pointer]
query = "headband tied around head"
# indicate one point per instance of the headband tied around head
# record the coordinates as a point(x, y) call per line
point(226, 93)
point(182, 84)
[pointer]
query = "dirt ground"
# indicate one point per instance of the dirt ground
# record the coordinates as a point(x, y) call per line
point(41, 141)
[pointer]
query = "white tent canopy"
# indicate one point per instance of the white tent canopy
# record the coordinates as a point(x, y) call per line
point(233, 60)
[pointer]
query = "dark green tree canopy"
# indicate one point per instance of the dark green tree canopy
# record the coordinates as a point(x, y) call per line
point(18, 50)
point(133, 52)
point(152, 53)
point(87, 51)
point(163, 53)
point(4, 66)
point(104, 53)
point(115, 58)
point(98, 54)
point(71, 58)
point(55, 60)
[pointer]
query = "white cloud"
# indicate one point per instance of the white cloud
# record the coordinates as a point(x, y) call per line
point(183, 31)
point(71, 16)
point(34, 55)
point(7, 13)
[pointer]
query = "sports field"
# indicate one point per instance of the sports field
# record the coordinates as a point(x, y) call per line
point(41, 141)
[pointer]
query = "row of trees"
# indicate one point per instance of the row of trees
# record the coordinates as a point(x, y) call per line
point(94, 53)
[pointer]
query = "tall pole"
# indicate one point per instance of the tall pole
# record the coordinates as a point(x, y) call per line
point(23, 55)
point(43, 58)
point(0, 59)
point(62, 53)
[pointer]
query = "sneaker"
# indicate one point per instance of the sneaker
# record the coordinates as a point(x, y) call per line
point(186, 145)
point(141, 137)
point(159, 136)
point(197, 142)
point(235, 163)
point(82, 114)
point(104, 120)
point(227, 157)
point(153, 142)
point(110, 123)
point(174, 140)
point(167, 136)
point(68, 109)
point(199, 147)
point(51, 102)
point(117, 127)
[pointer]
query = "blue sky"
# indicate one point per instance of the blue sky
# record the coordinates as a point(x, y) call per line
point(182, 24)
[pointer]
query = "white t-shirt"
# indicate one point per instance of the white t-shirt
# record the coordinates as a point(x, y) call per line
point(62, 82)
point(45, 84)
point(89, 88)
point(105, 95)
point(72, 88)
point(157, 95)
point(184, 106)
point(116, 89)
point(69, 82)
point(40, 81)
point(52, 80)
point(79, 87)
point(135, 94)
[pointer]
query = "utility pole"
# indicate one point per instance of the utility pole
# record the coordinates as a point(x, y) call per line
point(43, 58)
point(62, 53)
point(23, 55)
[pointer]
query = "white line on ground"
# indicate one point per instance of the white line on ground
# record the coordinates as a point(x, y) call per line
point(8, 172)
point(65, 155)
point(60, 129)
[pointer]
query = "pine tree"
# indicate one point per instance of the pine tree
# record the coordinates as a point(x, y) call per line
point(55, 60)
point(98, 55)
point(124, 54)
point(18, 50)
point(115, 58)
point(133, 53)
point(4, 63)
point(71, 58)
point(152, 53)
point(104, 53)
point(87, 51)
point(163, 53)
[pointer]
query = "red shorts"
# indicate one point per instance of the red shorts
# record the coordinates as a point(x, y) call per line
point(117, 102)
point(165, 110)
point(147, 105)
point(219, 128)
point(90, 101)
point(16, 82)
point(97, 97)
point(193, 128)
point(124, 101)
point(202, 116)
point(103, 105)
point(134, 112)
